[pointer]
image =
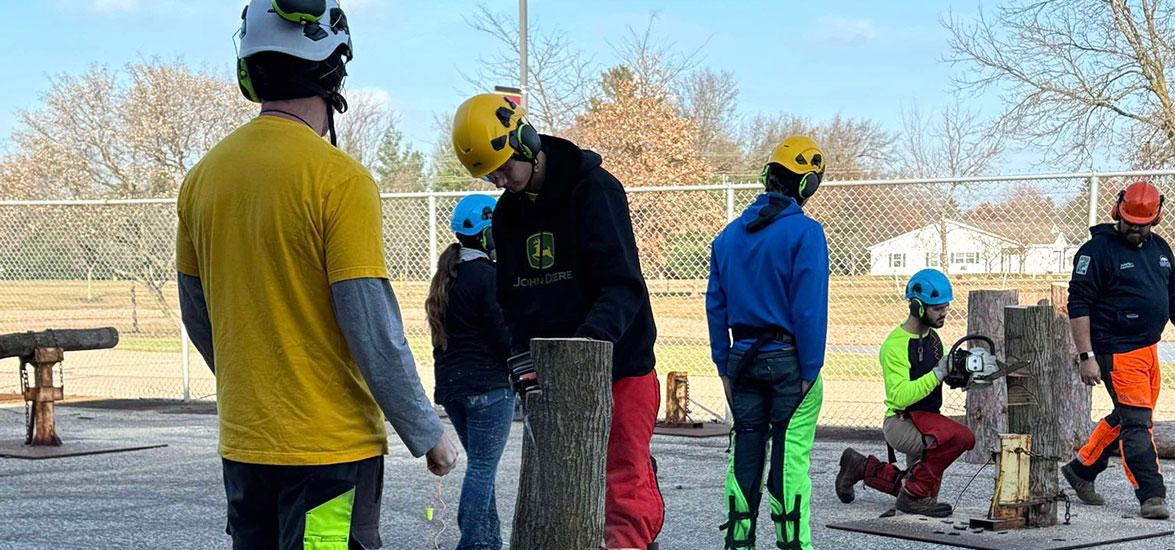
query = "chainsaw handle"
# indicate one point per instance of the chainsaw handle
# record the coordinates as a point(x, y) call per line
point(970, 338)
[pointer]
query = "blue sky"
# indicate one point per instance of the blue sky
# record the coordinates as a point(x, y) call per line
point(859, 58)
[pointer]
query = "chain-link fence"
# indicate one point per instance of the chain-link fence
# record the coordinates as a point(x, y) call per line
point(73, 264)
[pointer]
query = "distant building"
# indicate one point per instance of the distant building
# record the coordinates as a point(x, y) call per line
point(973, 250)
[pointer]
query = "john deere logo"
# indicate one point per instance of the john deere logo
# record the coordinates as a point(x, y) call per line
point(540, 250)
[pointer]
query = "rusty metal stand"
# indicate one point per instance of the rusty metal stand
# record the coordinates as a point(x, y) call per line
point(39, 399)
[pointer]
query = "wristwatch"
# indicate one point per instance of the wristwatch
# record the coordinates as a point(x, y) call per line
point(1083, 356)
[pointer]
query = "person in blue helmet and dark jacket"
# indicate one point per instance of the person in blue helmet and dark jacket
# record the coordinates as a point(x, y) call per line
point(470, 345)
point(767, 308)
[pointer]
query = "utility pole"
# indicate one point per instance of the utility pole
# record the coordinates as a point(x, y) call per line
point(522, 42)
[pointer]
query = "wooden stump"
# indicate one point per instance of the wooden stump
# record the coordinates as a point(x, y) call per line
point(1075, 396)
point(987, 414)
point(677, 398)
point(1042, 401)
point(564, 450)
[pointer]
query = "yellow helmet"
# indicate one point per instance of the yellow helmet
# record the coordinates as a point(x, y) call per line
point(799, 154)
point(489, 129)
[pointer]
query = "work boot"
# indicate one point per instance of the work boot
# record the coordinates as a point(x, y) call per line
point(852, 470)
point(1083, 487)
point(1154, 508)
point(923, 506)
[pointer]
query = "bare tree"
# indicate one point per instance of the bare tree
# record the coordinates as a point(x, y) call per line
point(658, 66)
point(1076, 74)
point(361, 129)
point(954, 143)
point(854, 148)
point(710, 99)
point(130, 133)
point(561, 77)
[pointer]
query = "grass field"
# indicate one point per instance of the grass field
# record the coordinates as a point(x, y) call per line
point(862, 311)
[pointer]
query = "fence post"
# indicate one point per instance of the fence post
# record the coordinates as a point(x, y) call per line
point(185, 361)
point(729, 419)
point(729, 198)
point(1093, 192)
point(432, 234)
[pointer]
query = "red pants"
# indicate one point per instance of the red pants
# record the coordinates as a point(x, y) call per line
point(946, 440)
point(633, 509)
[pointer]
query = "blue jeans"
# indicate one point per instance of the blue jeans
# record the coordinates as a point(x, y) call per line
point(482, 422)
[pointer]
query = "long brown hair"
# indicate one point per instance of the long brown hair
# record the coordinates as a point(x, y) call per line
point(438, 294)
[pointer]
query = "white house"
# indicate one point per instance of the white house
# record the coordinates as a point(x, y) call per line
point(971, 250)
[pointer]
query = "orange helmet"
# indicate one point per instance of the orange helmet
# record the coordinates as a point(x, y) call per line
point(1139, 204)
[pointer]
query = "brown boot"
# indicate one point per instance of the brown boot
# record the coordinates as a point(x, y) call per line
point(923, 506)
point(852, 470)
point(1083, 487)
point(1154, 508)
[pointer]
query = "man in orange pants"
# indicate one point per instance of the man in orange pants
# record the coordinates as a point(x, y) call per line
point(1120, 298)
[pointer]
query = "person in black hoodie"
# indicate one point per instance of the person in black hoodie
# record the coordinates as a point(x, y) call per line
point(1120, 298)
point(568, 267)
point(470, 345)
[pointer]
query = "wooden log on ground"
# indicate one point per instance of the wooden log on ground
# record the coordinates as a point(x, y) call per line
point(564, 447)
point(22, 344)
point(1038, 402)
point(987, 408)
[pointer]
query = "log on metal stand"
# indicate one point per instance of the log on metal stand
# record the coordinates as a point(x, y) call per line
point(1041, 402)
point(42, 351)
point(22, 344)
point(564, 447)
point(987, 408)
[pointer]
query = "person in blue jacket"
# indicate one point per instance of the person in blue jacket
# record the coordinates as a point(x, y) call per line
point(767, 308)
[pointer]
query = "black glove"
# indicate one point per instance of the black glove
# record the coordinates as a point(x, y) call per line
point(522, 374)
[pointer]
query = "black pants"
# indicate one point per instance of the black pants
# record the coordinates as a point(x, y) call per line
point(296, 507)
point(1132, 380)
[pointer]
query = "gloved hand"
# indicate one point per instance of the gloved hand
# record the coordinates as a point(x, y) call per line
point(522, 374)
point(942, 368)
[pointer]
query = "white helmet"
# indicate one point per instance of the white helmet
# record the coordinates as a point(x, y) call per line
point(312, 30)
point(294, 27)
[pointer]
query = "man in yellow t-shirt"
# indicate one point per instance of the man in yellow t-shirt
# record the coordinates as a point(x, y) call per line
point(284, 291)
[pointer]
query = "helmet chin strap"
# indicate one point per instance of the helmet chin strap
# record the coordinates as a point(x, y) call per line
point(334, 102)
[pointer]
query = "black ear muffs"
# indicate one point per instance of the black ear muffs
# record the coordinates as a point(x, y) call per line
point(917, 308)
point(809, 183)
point(800, 187)
point(487, 239)
point(525, 141)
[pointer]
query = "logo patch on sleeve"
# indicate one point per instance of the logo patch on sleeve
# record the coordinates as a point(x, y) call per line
point(1082, 265)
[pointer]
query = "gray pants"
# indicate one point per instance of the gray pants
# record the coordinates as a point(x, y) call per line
point(901, 434)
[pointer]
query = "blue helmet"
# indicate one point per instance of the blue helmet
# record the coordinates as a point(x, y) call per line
point(929, 286)
point(472, 215)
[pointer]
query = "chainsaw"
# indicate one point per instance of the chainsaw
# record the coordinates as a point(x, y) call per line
point(976, 367)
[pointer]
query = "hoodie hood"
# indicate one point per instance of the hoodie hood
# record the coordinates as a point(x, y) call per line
point(767, 208)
